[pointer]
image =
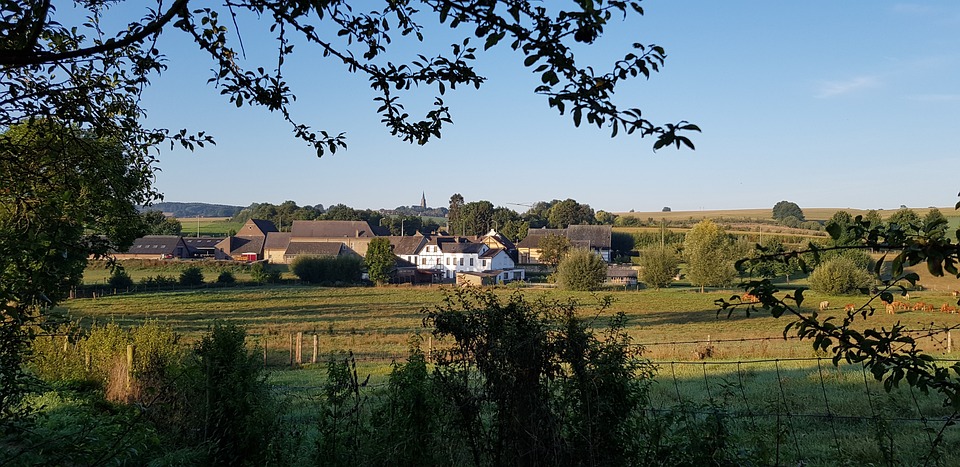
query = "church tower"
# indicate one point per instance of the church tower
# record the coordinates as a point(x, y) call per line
point(423, 200)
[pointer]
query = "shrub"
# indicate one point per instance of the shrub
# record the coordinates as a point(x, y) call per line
point(259, 272)
point(658, 267)
point(191, 276)
point(226, 277)
point(230, 409)
point(325, 269)
point(158, 281)
point(581, 270)
point(840, 275)
point(120, 280)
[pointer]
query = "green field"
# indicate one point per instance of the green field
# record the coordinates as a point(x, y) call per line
point(208, 226)
point(775, 392)
point(377, 322)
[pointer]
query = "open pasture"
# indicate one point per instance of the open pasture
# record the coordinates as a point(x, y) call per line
point(208, 226)
point(777, 398)
point(377, 323)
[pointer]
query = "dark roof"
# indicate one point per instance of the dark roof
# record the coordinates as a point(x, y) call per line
point(596, 236)
point(401, 263)
point(451, 247)
point(200, 242)
point(507, 244)
point(336, 229)
point(314, 248)
point(532, 240)
point(277, 240)
point(155, 244)
point(621, 271)
point(407, 245)
point(491, 253)
point(256, 228)
point(240, 245)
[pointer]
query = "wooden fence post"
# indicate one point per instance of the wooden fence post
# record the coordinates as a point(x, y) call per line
point(291, 349)
point(263, 342)
point(316, 347)
point(86, 359)
point(300, 348)
point(130, 352)
point(949, 342)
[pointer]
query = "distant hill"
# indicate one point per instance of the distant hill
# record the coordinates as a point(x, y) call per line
point(181, 210)
point(815, 214)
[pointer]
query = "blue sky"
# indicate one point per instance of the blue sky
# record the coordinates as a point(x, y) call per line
point(824, 103)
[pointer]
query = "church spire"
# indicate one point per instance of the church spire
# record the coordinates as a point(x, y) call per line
point(423, 200)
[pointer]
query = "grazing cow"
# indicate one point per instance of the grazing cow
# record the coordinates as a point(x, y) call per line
point(891, 309)
point(824, 304)
point(747, 298)
point(955, 293)
point(849, 307)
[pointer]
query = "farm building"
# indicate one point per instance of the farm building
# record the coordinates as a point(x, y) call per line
point(333, 249)
point(248, 243)
point(275, 246)
point(355, 235)
point(241, 248)
point(202, 247)
point(156, 247)
point(621, 275)
point(596, 238)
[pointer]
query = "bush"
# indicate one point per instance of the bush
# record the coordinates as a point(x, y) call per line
point(158, 281)
point(191, 276)
point(325, 269)
point(120, 280)
point(260, 273)
point(658, 267)
point(230, 409)
point(226, 277)
point(840, 275)
point(581, 270)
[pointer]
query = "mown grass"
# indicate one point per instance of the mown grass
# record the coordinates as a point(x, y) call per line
point(809, 410)
point(209, 226)
point(674, 323)
point(97, 272)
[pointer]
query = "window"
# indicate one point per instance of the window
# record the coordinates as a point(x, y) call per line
point(461, 261)
point(438, 261)
point(448, 261)
point(471, 261)
point(483, 263)
point(423, 261)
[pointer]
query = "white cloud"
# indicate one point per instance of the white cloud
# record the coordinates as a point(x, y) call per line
point(838, 88)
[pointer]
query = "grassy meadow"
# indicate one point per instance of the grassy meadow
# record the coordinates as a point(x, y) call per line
point(208, 226)
point(775, 393)
point(673, 324)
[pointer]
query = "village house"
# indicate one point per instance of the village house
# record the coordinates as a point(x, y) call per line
point(596, 238)
point(446, 256)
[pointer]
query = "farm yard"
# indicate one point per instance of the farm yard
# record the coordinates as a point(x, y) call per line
point(767, 389)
